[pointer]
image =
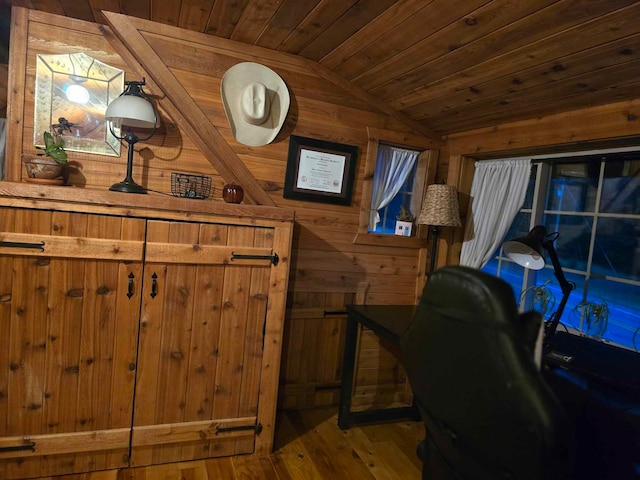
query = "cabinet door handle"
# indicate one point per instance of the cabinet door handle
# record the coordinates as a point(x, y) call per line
point(154, 285)
point(130, 291)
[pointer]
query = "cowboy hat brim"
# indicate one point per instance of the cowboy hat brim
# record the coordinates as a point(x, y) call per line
point(234, 82)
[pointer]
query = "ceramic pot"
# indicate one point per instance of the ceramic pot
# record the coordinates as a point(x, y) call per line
point(232, 193)
point(42, 167)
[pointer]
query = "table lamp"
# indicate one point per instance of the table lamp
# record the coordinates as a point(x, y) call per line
point(528, 252)
point(439, 209)
point(132, 109)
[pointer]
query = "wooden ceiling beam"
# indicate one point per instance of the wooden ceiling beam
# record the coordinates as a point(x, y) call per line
point(139, 55)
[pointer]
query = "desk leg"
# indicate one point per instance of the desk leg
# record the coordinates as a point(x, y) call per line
point(348, 372)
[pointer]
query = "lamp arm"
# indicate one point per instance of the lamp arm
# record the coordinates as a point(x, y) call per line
point(565, 286)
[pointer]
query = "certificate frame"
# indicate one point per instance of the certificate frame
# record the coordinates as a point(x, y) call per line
point(320, 171)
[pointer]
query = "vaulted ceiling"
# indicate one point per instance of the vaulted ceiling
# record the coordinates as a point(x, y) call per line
point(450, 65)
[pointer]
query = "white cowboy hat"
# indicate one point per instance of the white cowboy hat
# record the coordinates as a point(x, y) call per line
point(256, 102)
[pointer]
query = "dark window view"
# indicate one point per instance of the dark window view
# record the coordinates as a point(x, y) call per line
point(593, 203)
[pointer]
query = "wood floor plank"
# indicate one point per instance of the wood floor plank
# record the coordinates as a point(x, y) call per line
point(308, 445)
point(331, 451)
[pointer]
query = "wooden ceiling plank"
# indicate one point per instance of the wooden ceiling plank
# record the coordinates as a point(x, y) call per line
point(80, 9)
point(19, 3)
point(353, 20)
point(519, 34)
point(136, 8)
point(285, 21)
point(167, 13)
point(572, 41)
point(388, 20)
point(51, 6)
point(191, 118)
point(194, 14)
point(555, 105)
point(254, 20)
point(595, 59)
point(224, 17)
point(319, 19)
point(580, 86)
point(464, 30)
point(442, 21)
point(98, 5)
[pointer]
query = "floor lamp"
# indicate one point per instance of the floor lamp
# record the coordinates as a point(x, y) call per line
point(439, 209)
point(132, 109)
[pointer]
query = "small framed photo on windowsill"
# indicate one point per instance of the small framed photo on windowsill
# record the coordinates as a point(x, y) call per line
point(320, 171)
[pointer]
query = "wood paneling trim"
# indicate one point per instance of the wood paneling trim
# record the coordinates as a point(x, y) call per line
point(272, 343)
point(192, 118)
point(73, 247)
point(76, 442)
point(205, 254)
point(190, 431)
point(16, 92)
point(76, 199)
point(616, 120)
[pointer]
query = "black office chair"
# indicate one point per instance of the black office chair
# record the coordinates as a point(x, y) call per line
point(487, 411)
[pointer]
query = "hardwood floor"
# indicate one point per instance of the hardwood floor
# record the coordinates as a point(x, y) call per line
point(308, 445)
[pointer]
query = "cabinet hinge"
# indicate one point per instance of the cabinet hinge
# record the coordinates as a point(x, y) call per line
point(241, 256)
point(257, 428)
point(18, 448)
point(36, 246)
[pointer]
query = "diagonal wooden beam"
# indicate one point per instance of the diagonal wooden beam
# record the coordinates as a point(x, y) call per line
point(139, 55)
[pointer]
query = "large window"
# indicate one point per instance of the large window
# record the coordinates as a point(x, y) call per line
point(593, 203)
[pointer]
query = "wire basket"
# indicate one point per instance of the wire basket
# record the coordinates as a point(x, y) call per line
point(190, 186)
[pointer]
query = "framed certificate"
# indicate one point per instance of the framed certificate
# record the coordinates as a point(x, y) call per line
point(320, 171)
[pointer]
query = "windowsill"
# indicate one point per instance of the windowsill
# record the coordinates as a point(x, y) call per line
point(396, 241)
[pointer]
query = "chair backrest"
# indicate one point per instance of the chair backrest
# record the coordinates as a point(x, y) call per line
point(469, 358)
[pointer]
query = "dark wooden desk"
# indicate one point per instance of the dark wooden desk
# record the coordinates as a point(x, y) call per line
point(388, 322)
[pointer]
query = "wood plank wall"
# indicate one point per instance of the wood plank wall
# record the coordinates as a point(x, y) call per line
point(326, 266)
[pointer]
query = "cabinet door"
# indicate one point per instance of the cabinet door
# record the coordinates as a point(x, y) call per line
point(69, 306)
point(203, 312)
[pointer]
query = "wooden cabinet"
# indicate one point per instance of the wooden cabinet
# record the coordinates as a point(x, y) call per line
point(134, 336)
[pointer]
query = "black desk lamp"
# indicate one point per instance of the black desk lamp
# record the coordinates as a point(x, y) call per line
point(439, 209)
point(132, 109)
point(528, 251)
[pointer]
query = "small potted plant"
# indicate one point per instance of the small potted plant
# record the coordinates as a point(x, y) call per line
point(539, 298)
point(404, 222)
point(594, 317)
point(49, 164)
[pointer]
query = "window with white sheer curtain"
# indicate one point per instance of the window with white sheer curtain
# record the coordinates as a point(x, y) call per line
point(395, 169)
point(497, 193)
point(592, 201)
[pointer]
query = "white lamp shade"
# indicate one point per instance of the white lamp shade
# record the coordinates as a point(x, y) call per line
point(523, 255)
point(131, 111)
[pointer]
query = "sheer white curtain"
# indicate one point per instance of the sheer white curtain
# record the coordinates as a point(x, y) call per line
point(392, 167)
point(497, 194)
